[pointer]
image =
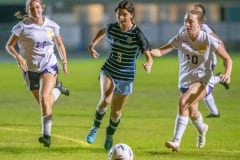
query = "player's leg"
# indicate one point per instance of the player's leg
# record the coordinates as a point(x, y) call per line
point(116, 111)
point(217, 79)
point(179, 129)
point(211, 105)
point(33, 82)
point(63, 90)
point(46, 99)
point(36, 94)
point(56, 93)
point(197, 119)
point(195, 93)
point(107, 88)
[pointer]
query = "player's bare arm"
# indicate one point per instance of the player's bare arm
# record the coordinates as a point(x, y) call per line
point(148, 65)
point(162, 51)
point(10, 47)
point(62, 53)
point(95, 41)
point(228, 64)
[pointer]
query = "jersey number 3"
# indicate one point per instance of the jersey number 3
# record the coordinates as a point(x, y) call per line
point(119, 58)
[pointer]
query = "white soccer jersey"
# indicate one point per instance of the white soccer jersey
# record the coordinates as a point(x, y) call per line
point(207, 29)
point(36, 43)
point(195, 58)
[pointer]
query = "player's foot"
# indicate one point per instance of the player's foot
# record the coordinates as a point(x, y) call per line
point(62, 89)
point(108, 142)
point(174, 145)
point(225, 84)
point(211, 115)
point(45, 140)
point(92, 135)
point(201, 139)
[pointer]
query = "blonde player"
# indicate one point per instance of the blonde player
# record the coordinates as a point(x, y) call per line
point(196, 79)
point(36, 36)
point(209, 100)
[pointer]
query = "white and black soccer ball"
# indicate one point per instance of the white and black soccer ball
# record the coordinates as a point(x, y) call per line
point(120, 152)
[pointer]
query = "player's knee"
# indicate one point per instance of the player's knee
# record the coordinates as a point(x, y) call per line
point(44, 98)
point(116, 115)
point(182, 105)
point(193, 114)
point(181, 102)
point(107, 100)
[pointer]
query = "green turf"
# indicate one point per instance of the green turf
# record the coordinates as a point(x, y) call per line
point(147, 121)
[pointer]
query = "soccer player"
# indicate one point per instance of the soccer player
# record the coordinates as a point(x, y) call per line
point(127, 41)
point(196, 79)
point(209, 100)
point(36, 36)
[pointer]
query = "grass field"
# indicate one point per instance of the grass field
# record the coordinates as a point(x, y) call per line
point(147, 121)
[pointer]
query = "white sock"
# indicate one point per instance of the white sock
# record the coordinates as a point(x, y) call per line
point(56, 93)
point(217, 79)
point(209, 101)
point(180, 126)
point(46, 125)
point(199, 124)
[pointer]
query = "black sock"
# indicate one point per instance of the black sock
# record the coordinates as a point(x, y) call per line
point(98, 119)
point(112, 127)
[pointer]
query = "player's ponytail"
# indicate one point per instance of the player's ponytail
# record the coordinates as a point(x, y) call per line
point(19, 15)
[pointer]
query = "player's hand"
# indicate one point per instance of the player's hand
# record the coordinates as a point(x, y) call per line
point(147, 67)
point(93, 52)
point(22, 63)
point(225, 78)
point(65, 70)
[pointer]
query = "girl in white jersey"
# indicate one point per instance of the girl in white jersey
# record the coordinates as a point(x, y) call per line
point(196, 76)
point(35, 36)
point(209, 100)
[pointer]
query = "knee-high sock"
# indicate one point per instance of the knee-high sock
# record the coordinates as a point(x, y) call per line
point(112, 127)
point(46, 125)
point(210, 102)
point(56, 93)
point(98, 118)
point(217, 79)
point(180, 126)
point(199, 124)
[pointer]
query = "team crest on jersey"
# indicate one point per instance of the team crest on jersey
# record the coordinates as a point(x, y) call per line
point(129, 40)
point(202, 49)
point(50, 33)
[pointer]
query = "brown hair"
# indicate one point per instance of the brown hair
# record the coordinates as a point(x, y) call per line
point(125, 4)
point(200, 6)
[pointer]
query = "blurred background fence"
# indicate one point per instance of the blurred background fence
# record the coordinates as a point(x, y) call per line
point(159, 19)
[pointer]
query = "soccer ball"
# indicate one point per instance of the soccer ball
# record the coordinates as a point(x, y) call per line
point(120, 152)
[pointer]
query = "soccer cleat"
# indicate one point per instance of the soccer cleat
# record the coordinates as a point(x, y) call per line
point(211, 115)
point(225, 84)
point(92, 135)
point(45, 140)
point(174, 145)
point(62, 89)
point(201, 139)
point(108, 142)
